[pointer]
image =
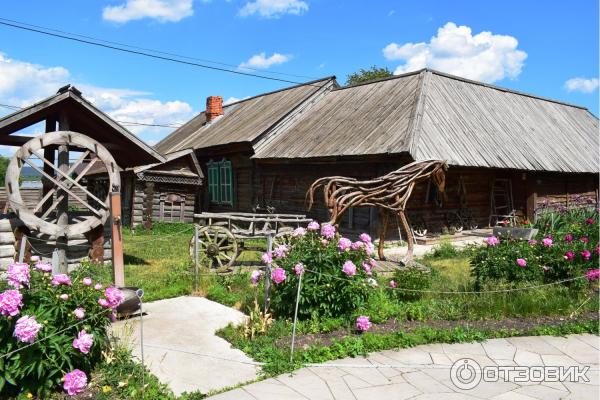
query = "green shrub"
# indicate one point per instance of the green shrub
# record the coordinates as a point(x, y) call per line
point(413, 279)
point(326, 289)
point(38, 359)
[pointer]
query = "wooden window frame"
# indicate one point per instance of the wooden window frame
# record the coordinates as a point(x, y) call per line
point(220, 182)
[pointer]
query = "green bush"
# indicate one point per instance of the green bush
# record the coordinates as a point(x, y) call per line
point(327, 290)
point(37, 333)
point(414, 279)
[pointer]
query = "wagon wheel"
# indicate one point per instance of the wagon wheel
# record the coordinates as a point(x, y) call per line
point(283, 238)
point(64, 182)
point(217, 245)
point(455, 223)
point(419, 227)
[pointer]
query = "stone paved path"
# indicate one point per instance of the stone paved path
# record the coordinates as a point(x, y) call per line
point(424, 373)
point(181, 348)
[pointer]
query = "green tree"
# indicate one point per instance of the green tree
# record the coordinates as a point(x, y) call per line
point(3, 165)
point(365, 75)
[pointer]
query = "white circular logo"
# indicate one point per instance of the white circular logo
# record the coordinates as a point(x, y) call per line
point(465, 373)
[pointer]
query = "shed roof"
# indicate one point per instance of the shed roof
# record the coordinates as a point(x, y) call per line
point(432, 115)
point(243, 121)
point(127, 149)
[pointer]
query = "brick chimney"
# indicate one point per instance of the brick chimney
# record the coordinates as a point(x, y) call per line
point(214, 107)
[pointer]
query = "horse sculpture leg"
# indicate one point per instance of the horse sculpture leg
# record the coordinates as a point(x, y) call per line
point(383, 224)
point(409, 237)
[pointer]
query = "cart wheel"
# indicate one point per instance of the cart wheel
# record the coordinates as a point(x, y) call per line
point(283, 239)
point(217, 247)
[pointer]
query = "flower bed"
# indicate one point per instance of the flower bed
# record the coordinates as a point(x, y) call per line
point(52, 329)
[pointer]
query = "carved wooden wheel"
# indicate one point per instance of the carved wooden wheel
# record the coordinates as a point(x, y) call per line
point(217, 246)
point(283, 238)
point(64, 183)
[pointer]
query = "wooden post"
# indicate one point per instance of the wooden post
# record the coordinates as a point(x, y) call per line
point(117, 239)
point(48, 155)
point(62, 210)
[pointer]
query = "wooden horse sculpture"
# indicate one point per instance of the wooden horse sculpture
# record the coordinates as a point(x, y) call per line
point(389, 193)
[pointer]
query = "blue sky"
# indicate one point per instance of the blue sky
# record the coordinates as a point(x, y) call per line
point(549, 50)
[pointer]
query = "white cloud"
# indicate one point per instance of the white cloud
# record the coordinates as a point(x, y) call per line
point(274, 8)
point(230, 100)
point(455, 50)
point(161, 10)
point(583, 85)
point(23, 83)
point(261, 61)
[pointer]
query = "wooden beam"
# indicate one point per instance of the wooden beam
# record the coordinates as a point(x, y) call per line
point(13, 140)
point(117, 239)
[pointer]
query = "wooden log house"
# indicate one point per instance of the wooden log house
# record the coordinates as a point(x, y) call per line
point(507, 150)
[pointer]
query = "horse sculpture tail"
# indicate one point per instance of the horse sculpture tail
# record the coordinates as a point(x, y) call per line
point(310, 193)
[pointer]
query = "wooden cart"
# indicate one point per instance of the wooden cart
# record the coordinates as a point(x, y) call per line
point(222, 236)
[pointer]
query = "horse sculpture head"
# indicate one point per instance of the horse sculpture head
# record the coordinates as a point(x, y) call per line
point(438, 176)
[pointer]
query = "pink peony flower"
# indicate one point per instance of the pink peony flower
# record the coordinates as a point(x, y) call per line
point(492, 241)
point(34, 258)
point(372, 262)
point(64, 296)
point(328, 231)
point(61, 279)
point(281, 251)
point(255, 276)
point(299, 269)
point(547, 242)
point(87, 281)
point(18, 275)
point(568, 238)
point(532, 242)
point(114, 296)
point(98, 286)
point(393, 284)
point(545, 268)
point(313, 226)
point(267, 258)
point(10, 303)
point(569, 255)
point(593, 274)
point(357, 245)
point(362, 323)
point(585, 239)
point(370, 248)
point(586, 254)
point(589, 221)
point(367, 268)
point(298, 232)
point(75, 382)
point(26, 329)
point(278, 275)
point(43, 266)
point(79, 313)
point(83, 342)
point(365, 238)
point(521, 262)
point(349, 268)
point(103, 302)
point(344, 244)
point(597, 250)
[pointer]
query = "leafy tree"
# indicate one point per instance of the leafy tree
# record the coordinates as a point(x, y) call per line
point(3, 165)
point(365, 75)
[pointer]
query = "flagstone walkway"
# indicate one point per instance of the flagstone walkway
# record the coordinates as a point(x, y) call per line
point(424, 372)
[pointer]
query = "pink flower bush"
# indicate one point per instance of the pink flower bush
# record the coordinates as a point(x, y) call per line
point(79, 313)
point(61, 279)
point(103, 302)
point(11, 302)
point(547, 242)
point(521, 262)
point(299, 269)
point(362, 323)
point(357, 245)
point(267, 258)
point(114, 296)
point(393, 284)
point(349, 268)
point(299, 232)
point(43, 266)
point(75, 382)
point(367, 268)
point(281, 251)
point(278, 275)
point(255, 276)
point(344, 244)
point(365, 238)
point(83, 342)
point(589, 221)
point(87, 281)
point(370, 248)
point(313, 226)
point(328, 231)
point(26, 329)
point(586, 254)
point(569, 255)
point(492, 241)
point(593, 274)
point(18, 275)
point(568, 238)
point(585, 239)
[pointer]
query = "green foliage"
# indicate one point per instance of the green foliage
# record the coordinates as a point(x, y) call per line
point(545, 262)
point(365, 75)
point(412, 279)
point(330, 292)
point(3, 165)
point(39, 368)
point(443, 250)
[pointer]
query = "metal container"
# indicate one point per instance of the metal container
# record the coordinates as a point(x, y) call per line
point(132, 301)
